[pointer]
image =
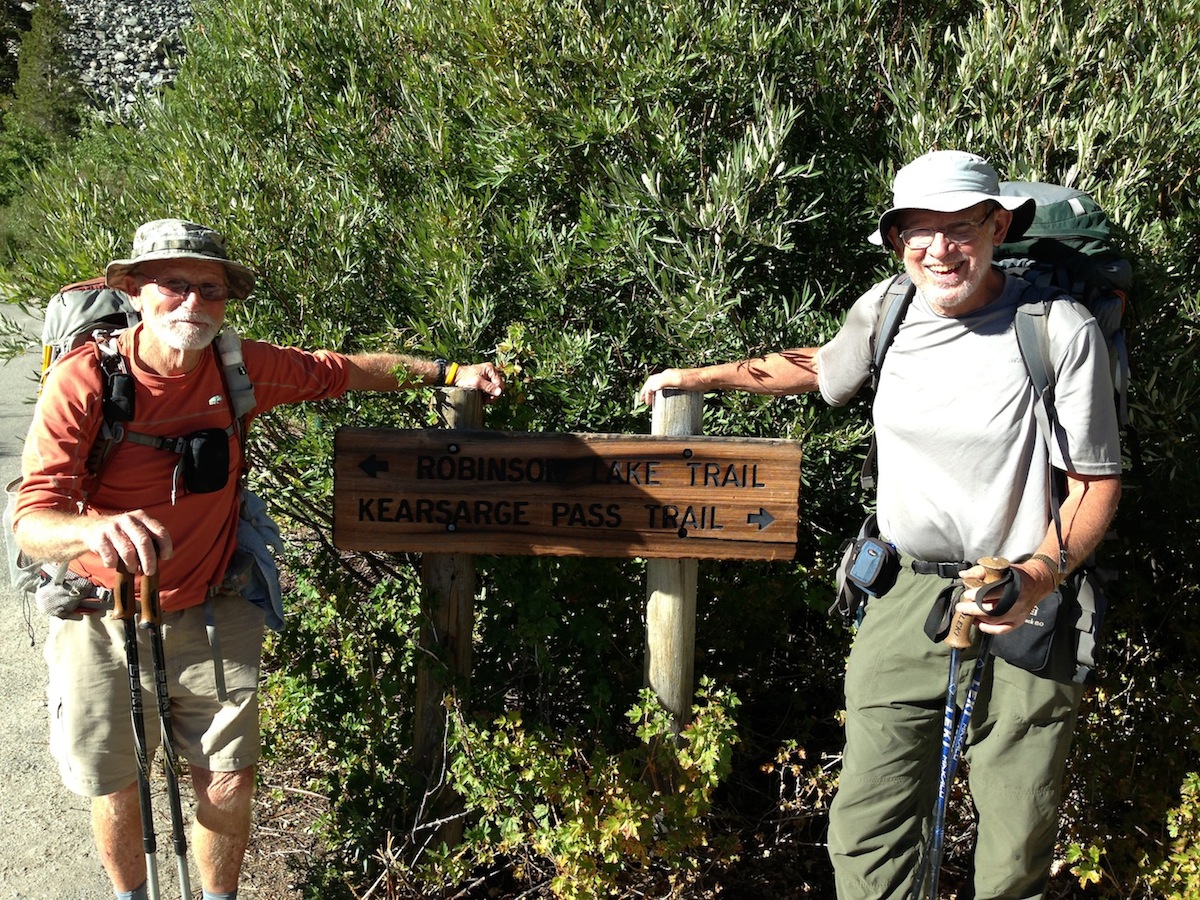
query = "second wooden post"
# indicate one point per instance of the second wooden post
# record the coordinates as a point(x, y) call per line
point(671, 585)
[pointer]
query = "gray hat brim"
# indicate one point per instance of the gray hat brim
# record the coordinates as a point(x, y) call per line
point(1022, 209)
point(241, 279)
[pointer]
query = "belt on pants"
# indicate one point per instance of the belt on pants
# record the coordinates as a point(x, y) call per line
point(941, 568)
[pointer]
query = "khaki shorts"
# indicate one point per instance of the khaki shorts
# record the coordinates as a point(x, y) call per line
point(91, 732)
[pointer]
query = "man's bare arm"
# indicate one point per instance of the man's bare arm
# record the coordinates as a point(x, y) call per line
point(1086, 514)
point(784, 372)
point(136, 538)
point(399, 371)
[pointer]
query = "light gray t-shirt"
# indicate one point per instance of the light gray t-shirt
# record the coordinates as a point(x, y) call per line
point(962, 463)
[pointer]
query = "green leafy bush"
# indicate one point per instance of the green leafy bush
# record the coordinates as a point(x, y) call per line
point(40, 99)
point(584, 814)
point(1178, 876)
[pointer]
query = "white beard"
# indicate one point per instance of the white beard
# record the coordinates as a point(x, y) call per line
point(193, 332)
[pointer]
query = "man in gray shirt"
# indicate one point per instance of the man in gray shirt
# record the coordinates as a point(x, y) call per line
point(964, 471)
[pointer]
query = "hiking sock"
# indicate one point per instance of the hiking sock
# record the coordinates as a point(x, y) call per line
point(209, 895)
point(138, 893)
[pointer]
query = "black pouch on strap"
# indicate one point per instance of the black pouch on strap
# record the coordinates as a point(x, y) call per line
point(1059, 639)
point(1031, 647)
point(205, 460)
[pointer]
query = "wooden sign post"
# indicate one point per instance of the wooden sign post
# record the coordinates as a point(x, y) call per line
point(670, 667)
point(447, 625)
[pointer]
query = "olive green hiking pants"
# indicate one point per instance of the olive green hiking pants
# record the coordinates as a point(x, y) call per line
point(1018, 740)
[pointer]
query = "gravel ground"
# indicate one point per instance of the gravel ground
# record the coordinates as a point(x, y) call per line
point(124, 46)
point(47, 852)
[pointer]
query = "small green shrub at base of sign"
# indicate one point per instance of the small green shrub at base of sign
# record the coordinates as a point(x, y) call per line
point(580, 818)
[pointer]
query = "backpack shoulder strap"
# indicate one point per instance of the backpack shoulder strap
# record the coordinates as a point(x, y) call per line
point(897, 297)
point(893, 306)
point(116, 402)
point(1032, 326)
point(228, 346)
point(233, 369)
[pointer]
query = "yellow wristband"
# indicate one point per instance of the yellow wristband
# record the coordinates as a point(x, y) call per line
point(451, 374)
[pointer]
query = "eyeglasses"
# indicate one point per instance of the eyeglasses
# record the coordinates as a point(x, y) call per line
point(958, 233)
point(178, 289)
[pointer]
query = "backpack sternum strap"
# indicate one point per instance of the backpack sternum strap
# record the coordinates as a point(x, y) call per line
point(170, 444)
point(120, 390)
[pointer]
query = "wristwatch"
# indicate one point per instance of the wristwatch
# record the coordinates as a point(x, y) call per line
point(1052, 565)
point(441, 364)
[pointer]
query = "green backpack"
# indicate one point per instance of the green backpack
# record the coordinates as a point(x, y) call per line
point(1068, 246)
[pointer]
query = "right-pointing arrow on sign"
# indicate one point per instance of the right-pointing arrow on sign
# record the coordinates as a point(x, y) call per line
point(762, 518)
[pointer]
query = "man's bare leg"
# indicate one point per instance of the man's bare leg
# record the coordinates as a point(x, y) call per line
point(222, 827)
point(117, 829)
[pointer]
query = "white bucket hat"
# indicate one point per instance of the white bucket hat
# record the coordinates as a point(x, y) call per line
point(178, 239)
point(947, 181)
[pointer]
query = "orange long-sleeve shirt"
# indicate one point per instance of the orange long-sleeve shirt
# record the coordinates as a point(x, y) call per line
point(203, 527)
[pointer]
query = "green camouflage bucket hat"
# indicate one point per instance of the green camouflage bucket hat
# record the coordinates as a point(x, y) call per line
point(179, 239)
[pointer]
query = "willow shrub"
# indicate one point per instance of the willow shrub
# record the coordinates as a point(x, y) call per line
point(589, 191)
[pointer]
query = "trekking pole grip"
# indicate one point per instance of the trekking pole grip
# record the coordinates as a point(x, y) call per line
point(994, 568)
point(151, 612)
point(123, 607)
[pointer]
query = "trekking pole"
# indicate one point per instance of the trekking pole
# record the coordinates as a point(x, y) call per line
point(151, 620)
point(954, 726)
point(123, 609)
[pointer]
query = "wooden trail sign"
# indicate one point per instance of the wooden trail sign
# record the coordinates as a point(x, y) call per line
point(495, 492)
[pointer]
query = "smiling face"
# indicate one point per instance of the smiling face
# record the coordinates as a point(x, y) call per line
point(954, 271)
point(177, 328)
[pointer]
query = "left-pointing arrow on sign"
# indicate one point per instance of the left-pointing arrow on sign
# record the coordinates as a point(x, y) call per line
point(372, 465)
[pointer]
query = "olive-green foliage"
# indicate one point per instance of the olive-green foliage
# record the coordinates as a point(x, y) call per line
point(590, 191)
point(39, 96)
point(14, 21)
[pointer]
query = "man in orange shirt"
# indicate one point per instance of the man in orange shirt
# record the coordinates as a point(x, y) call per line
point(140, 508)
